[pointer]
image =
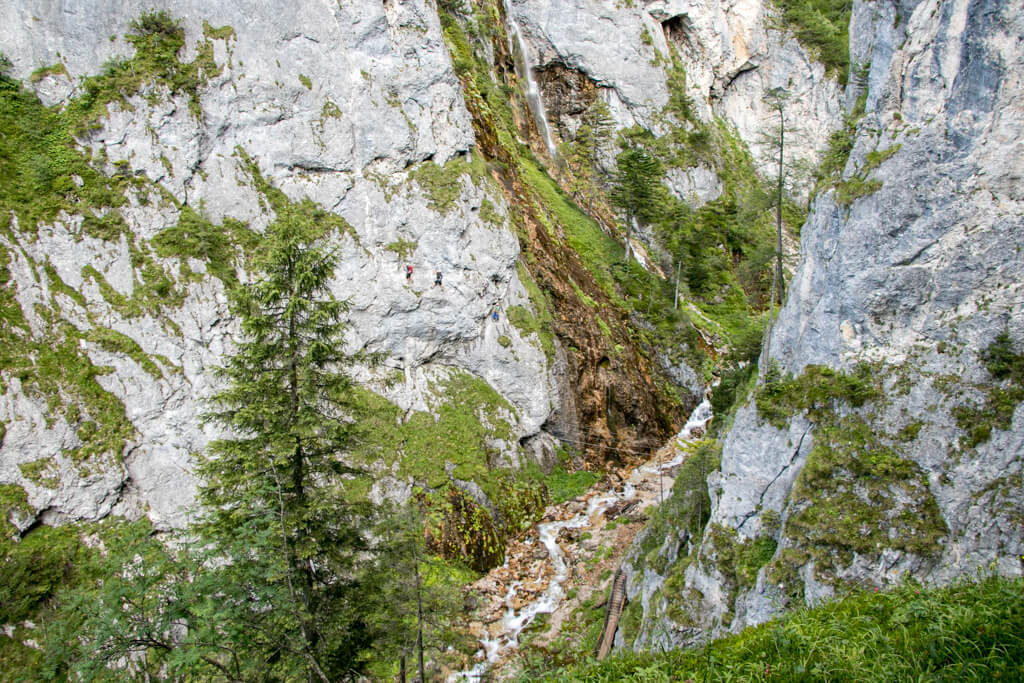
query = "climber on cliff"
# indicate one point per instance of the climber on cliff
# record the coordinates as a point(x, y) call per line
point(408, 273)
point(494, 315)
point(437, 280)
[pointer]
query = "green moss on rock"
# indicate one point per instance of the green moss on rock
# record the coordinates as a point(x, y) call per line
point(857, 496)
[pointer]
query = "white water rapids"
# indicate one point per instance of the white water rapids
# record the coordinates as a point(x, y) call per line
point(513, 622)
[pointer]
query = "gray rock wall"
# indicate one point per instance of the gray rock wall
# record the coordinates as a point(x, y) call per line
point(340, 103)
point(915, 270)
point(729, 52)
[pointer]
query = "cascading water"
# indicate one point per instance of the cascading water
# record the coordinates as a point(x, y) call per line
point(513, 622)
point(533, 99)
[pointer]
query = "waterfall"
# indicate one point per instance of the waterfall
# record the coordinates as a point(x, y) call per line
point(533, 99)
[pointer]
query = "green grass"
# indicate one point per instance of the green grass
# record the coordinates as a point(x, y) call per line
point(565, 485)
point(158, 39)
point(969, 631)
point(195, 236)
point(442, 184)
point(813, 391)
point(857, 492)
point(1001, 397)
point(454, 441)
point(823, 27)
point(116, 342)
point(856, 495)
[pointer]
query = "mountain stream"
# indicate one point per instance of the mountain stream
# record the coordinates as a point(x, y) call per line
point(532, 581)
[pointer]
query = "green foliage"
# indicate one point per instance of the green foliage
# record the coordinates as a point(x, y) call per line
point(1000, 399)
point(687, 508)
point(304, 80)
point(637, 185)
point(42, 172)
point(56, 367)
point(415, 592)
point(733, 387)
point(850, 190)
point(527, 325)
point(874, 158)
point(57, 69)
point(858, 495)
point(442, 184)
point(837, 151)
point(967, 631)
point(196, 237)
point(565, 485)
point(38, 575)
point(737, 562)
point(822, 26)
point(460, 528)
point(581, 154)
point(272, 492)
point(13, 503)
point(1001, 361)
point(457, 440)
point(158, 39)
point(403, 248)
point(679, 102)
point(116, 342)
point(814, 391)
point(33, 569)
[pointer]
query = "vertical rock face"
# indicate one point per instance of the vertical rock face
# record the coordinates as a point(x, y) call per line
point(620, 52)
point(910, 287)
point(352, 109)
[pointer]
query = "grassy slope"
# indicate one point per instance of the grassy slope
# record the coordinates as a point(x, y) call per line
point(965, 632)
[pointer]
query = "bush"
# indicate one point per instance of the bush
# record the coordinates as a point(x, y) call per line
point(822, 26)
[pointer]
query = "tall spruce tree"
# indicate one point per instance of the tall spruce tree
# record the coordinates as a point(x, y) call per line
point(635, 188)
point(273, 491)
point(776, 98)
point(422, 604)
point(266, 584)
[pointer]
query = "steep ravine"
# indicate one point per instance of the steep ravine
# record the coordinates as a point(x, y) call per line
point(569, 559)
point(887, 439)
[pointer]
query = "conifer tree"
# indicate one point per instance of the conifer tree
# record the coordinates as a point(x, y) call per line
point(635, 187)
point(582, 154)
point(265, 585)
point(273, 491)
point(419, 622)
point(776, 98)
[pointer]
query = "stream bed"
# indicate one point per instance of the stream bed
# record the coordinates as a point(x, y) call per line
point(532, 581)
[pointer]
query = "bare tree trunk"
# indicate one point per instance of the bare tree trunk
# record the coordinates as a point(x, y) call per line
point(778, 207)
point(679, 270)
point(629, 234)
point(777, 275)
point(419, 617)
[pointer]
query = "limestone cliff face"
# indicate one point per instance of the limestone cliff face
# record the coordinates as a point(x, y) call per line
point(730, 54)
point(354, 107)
point(910, 270)
point(355, 110)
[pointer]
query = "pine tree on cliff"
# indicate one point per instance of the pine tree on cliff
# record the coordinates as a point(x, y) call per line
point(776, 98)
point(273, 490)
point(635, 188)
point(267, 584)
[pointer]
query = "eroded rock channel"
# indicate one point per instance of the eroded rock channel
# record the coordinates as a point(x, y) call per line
point(570, 556)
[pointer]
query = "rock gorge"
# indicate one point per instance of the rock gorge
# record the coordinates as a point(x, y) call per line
point(137, 179)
